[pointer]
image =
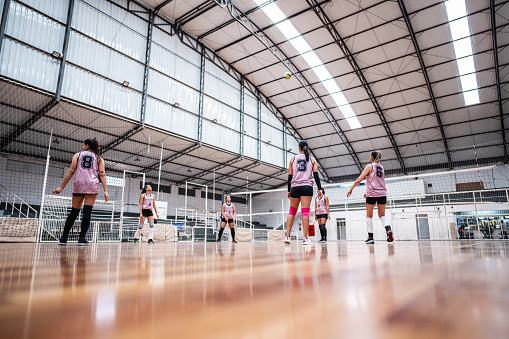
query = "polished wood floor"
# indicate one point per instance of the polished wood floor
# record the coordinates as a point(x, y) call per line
point(255, 290)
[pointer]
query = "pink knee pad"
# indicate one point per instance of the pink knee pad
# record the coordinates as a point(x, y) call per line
point(293, 211)
point(305, 212)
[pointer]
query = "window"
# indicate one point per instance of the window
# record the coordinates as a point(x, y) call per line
point(190, 192)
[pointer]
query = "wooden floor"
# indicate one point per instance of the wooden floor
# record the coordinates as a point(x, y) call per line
point(255, 290)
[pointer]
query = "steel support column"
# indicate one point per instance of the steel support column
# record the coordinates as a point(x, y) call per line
point(246, 22)
point(146, 71)
point(259, 128)
point(201, 96)
point(241, 129)
point(426, 78)
point(65, 47)
point(497, 76)
point(331, 28)
point(161, 5)
point(285, 145)
point(3, 22)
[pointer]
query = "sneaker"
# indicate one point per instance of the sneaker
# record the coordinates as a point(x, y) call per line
point(83, 242)
point(390, 237)
point(307, 241)
point(287, 239)
point(324, 240)
point(150, 241)
point(370, 240)
point(62, 242)
point(218, 240)
point(135, 240)
point(234, 241)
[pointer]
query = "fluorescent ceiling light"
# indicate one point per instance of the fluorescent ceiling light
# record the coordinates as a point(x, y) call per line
point(460, 34)
point(285, 26)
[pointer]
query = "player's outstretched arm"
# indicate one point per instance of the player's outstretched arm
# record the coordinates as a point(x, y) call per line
point(69, 174)
point(364, 174)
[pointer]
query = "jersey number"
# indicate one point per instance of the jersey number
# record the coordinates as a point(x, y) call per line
point(87, 162)
point(379, 172)
point(302, 165)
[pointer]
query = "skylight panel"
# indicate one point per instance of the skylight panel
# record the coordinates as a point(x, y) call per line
point(460, 34)
point(302, 47)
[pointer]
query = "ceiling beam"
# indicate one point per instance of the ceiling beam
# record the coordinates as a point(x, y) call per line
point(267, 27)
point(280, 55)
point(331, 28)
point(237, 171)
point(121, 139)
point(497, 76)
point(171, 158)
point(162, 4)
point(199, 175)
point(28, 123)
point(426, 78)
point(194, 13)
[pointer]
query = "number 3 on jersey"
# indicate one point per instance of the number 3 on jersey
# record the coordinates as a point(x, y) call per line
point(379, 172)
point(302, 165)
point(87, 162)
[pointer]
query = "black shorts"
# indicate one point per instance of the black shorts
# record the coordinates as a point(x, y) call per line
point(301, 191)
point(229, 220)
point(376, 200)
point(322, 216)
point(147, 213)
point(78, 194)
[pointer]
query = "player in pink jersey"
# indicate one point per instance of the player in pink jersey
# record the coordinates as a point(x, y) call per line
point(227, 215)
point(301, 170)
point(89, 168)
point(376, 194)
point(147, 203)
point(322, 213)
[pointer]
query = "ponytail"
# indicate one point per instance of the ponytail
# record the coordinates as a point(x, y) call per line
point(93, 145)
point(303, 145)
point(144, 189)
point(377, 156)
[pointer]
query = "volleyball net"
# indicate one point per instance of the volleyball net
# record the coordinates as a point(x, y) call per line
point(469, 203)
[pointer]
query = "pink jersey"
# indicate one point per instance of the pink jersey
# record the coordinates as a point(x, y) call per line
point(228, 211)
point(302, 171)
point(375, 181)
point(321, 205)
point(148, 202)
point(86, 179)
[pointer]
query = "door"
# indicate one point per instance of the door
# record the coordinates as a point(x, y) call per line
point(341, 227)
point(421, 221)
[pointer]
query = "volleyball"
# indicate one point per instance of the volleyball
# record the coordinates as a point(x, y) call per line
point(287, 75)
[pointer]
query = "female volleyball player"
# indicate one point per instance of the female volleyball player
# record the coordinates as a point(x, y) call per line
point(376, 194)
point(88, 166)
point(227, 215)
point(147, 203)
point(301, 170)
point(322, 213)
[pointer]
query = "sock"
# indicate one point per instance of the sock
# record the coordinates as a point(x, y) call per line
point(385, 223)
point(71, 218)
point(322, 226)
point(370, 235)
point(151, 230)
point(232, 230)
point(85, 221)
point(221, 230)
point(138, 232)
point(369, 225)
point(387, 228)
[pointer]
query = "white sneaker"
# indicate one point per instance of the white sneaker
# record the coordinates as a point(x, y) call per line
point(307, 241)
point(287, 239)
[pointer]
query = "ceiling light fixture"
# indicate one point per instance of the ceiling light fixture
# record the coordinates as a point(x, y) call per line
point(57, 55)
point(176, 104)
point(125, 83)
point(285, 26)
point(137, 159)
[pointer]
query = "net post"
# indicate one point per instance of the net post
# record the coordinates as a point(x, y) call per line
point(206, 214)
point(476, 215)
point(418, 220)
point(251, 211)
point(185, 207)
point(283, 214)
point(446, 219)
point(160, 167)
point(38, 232)
point(121, 228)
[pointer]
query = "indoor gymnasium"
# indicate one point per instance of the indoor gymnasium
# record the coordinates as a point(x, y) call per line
point(254, 168)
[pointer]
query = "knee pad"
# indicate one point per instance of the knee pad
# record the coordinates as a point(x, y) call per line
point(87, 210)
point(151, 224)
point(305, 212)
point(293, 211)
point(140, 226)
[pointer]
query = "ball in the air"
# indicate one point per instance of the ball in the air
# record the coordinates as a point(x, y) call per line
point(287, 75)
